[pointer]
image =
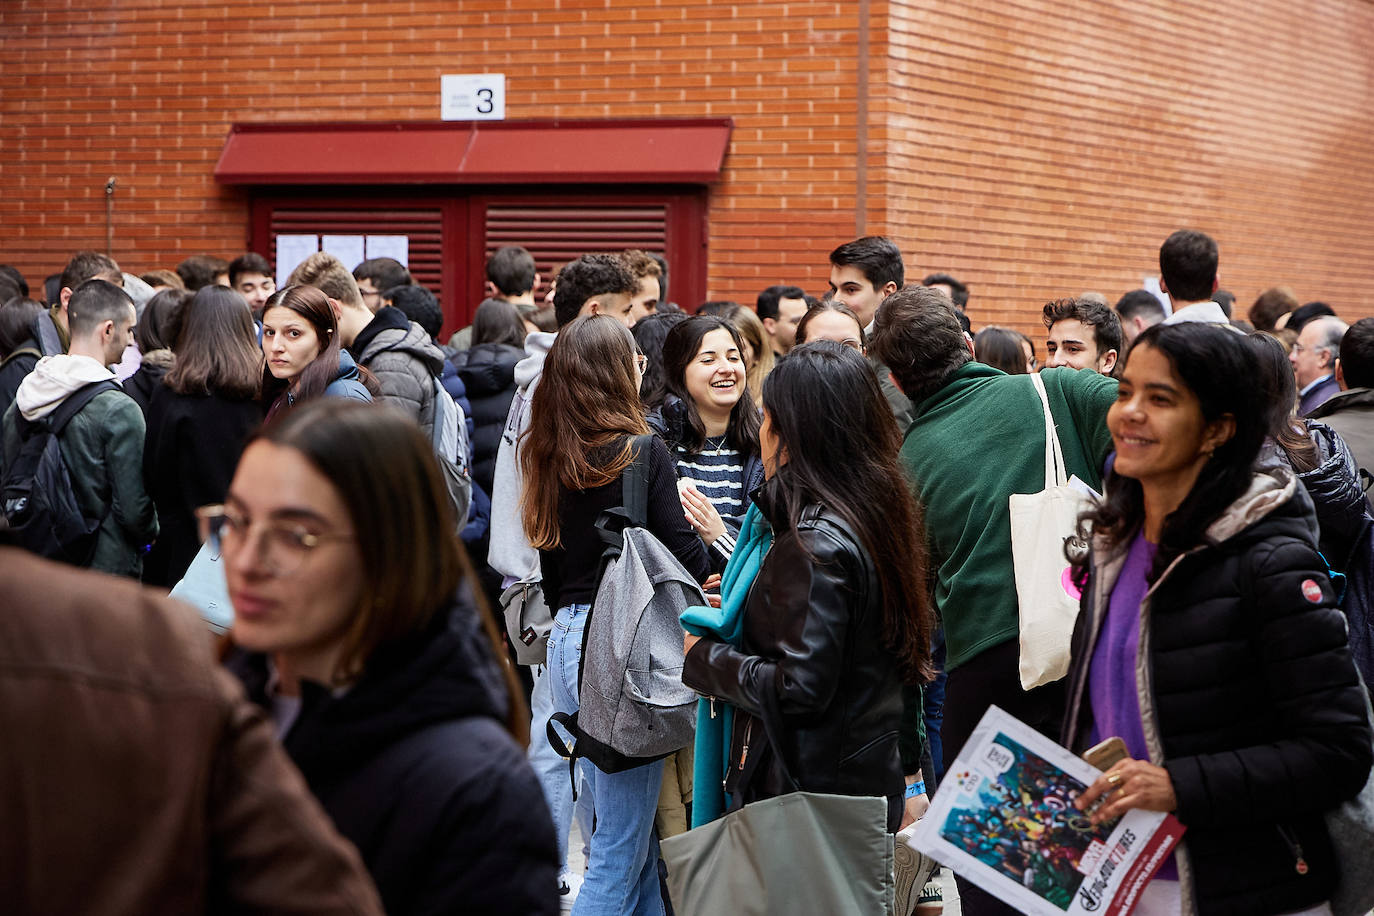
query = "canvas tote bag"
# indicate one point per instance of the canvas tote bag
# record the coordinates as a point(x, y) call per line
point(1042, 525)
point(799, 852)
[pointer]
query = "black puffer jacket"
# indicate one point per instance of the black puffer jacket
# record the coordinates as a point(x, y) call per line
point(1336, 491)
point(1248, 698)
point(813, 638)
point(488, 373)
point(416, 769)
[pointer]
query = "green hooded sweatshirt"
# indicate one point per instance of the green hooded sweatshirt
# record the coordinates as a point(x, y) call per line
point(974, 443)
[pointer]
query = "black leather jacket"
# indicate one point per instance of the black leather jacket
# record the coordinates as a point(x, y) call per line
point(813, 638)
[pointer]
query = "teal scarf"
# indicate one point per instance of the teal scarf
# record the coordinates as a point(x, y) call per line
point(726, 623)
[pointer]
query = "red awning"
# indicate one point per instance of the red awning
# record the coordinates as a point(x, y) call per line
point(472, 152)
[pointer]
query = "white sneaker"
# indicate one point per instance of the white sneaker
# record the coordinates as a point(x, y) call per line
point(912, 871)
point(568, 886)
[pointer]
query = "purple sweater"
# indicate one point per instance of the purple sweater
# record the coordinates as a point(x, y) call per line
point(1111, 679)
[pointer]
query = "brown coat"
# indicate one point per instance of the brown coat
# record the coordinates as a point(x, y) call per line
point(135, 778)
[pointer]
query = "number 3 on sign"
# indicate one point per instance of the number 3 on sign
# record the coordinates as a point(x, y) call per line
point(472, 97)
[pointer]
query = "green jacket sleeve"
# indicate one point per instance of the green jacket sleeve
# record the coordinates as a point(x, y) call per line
point(130, 505)
point(1089, 394)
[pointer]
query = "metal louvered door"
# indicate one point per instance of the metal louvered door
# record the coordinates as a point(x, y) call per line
point(451, 231)
point(556, 228)
point(347, 216)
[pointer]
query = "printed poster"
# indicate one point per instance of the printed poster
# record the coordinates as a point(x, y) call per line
point(1004, 819)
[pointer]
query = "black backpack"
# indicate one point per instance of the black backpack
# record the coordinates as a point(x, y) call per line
point(36, 495)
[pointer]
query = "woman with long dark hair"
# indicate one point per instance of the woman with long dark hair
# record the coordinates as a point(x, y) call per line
point(584, 416)
point(649, 333)
point(838, 616)
point(711, 425)
point(156, 335)
point(304, 359)
point(1318, 454)
point(1210, 641)
point(382, 673)
point(199, 418)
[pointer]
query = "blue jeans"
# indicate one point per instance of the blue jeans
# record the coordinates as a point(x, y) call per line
point(935, 707)
point(552, 770)
point(622, 868)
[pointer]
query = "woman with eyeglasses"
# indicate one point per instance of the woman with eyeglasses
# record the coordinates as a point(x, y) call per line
point(584, 416)
point(304, 359)
point(711, 425)
point(831, 320)
point(384, 679)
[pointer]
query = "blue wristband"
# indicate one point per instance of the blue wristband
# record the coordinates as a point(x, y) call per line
point(916, 788)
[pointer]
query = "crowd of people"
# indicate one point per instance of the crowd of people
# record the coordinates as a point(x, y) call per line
point(406, 539)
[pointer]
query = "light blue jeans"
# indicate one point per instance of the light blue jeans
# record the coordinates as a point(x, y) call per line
point(622, 868)
point(552, 771)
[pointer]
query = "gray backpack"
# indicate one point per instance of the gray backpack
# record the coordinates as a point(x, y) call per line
point(449, 436)
point(633, 707)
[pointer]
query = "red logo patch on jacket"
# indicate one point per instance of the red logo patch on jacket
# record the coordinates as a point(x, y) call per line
point(1312, 591)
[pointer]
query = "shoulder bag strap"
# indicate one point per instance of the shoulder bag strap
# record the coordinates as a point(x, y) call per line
point(1056, 473)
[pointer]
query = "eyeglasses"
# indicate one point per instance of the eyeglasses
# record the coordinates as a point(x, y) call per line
point(852, 343)
point(370, 293)
point(1298, 348)
point(282, 546)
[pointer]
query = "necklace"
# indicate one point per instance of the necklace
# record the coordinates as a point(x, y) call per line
point(715, 444)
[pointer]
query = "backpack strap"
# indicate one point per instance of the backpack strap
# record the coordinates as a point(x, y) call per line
point(21, 351)
point(635, 482)
point(78, 399)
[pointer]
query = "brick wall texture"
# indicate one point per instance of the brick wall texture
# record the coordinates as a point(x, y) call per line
point(1034, 148)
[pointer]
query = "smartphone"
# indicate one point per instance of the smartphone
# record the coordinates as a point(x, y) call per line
point(1105, 755)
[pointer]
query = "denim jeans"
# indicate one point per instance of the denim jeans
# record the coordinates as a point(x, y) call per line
point(552, 770)
point(622, 868)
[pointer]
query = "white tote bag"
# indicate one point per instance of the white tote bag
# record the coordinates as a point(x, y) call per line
point(1041, 526)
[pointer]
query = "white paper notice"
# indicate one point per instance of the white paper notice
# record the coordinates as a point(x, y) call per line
point(389, 246)
point(347, 248)
point(291, 250)
point(472, 97)
point(1151, 284)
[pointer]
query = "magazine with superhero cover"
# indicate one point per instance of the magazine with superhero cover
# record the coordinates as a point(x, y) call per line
point(1004, 819)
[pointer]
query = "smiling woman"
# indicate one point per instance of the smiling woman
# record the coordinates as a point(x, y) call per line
point(1210, 639)
point(711, 425)
point(383, 676)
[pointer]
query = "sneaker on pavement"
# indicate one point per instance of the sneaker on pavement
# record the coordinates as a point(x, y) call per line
point(912, 871)
point(568, 886)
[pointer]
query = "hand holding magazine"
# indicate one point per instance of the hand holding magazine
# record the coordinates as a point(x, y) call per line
point(1004, 819)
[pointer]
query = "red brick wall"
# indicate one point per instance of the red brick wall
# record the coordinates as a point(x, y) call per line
point(1051, 147)
point(1034, 149)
